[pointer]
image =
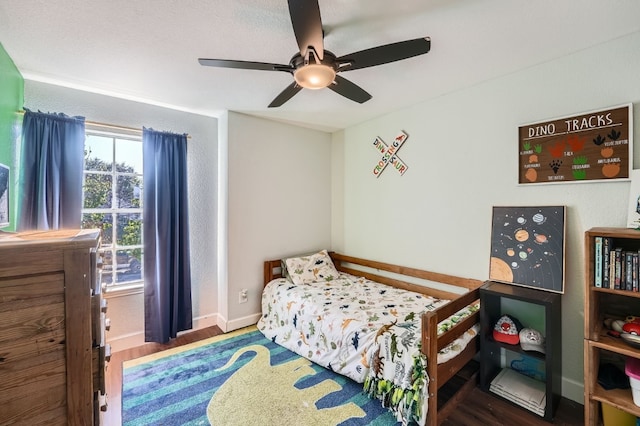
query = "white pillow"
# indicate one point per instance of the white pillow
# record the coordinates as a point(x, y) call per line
point(309, 269)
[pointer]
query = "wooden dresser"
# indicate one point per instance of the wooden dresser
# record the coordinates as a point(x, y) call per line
point(52, 346)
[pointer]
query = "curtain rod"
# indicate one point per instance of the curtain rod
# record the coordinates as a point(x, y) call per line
point(110, 126)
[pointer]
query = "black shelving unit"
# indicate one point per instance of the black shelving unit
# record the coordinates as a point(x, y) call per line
point(493, 353)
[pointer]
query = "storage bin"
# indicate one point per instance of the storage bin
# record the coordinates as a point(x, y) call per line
point(632, 368)
point(612, 416)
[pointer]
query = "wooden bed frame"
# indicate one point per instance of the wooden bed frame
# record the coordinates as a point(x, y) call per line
point(439, 374)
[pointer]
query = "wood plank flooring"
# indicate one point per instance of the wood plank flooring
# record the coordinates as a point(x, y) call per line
point(479, 408)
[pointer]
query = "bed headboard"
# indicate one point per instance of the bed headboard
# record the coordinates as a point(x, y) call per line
point(272, 270)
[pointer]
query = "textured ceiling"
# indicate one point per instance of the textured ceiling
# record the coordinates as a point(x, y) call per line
point(148, 49)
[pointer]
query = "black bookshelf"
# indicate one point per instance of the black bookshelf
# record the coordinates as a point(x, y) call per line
point(493, 353)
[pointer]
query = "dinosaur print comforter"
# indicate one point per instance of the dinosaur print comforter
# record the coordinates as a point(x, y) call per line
point(367, 331)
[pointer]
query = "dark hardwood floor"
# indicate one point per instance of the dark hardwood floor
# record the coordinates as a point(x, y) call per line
point(481, 408)
point(478, 408)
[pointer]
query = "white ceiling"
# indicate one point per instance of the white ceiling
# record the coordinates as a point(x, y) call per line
point(148, 49)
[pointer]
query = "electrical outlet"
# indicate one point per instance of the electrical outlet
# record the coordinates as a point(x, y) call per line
point(243, 296)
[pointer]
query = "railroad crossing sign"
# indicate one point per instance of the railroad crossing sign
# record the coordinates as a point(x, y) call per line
point(389, 154)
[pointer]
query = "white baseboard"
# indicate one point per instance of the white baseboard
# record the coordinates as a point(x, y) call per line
point(133, 340)
point(238, 323)
point(126, 341)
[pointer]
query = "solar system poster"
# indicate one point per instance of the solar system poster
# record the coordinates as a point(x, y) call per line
point(527, 247)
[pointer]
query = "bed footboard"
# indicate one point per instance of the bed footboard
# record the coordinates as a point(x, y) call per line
point(439, 374)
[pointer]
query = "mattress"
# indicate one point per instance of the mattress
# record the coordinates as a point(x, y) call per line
point(341, 324)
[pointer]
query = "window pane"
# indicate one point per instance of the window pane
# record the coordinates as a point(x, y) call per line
point(113, 184)
point(97, 191)
point(107, 267)
point(129, 266)
point(98, 153)
point(129, 229)
point(129, 156)
point(106, 276)
point(102, 221)
point(129, 192)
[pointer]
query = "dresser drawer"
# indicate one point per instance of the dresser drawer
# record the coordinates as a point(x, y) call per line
point(99, 321)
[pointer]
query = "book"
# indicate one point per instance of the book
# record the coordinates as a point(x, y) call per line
point(612, 268)
point(628, 270)
point(597, 264)
point(634, 271)
point(606, 257)
point(618, 256)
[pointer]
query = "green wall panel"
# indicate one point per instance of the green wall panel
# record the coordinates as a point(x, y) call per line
point(11, 100)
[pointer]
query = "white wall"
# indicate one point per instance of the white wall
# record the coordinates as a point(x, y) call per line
point(462, 157)
point(279, 203)
point(127, 312)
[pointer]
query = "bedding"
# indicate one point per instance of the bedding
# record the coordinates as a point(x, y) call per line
point(367, 331)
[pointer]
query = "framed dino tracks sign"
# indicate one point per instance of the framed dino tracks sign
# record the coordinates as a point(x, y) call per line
point(581, 148)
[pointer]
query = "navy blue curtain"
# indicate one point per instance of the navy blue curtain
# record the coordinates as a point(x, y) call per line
point(51, 171)
point(167, 271)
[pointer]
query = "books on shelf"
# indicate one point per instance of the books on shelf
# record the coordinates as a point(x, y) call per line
point(606, 256)
point(598, 254)
point(615, 267)
point(521, 390)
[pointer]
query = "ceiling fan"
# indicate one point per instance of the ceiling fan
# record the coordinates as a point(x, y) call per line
point(316, 68)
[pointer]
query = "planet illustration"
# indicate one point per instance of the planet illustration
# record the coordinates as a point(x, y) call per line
point(500, 270)
point(510, 252)
point(522, 235)
point(539, 218)
point(541, 239)
point(523, 255)
point(522, 220)
point(514, 265)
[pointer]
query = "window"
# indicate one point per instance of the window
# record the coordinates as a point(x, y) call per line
point(112, 192)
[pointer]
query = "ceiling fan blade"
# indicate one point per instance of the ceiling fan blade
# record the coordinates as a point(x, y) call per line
point(285, 95)
point(350, 90)
point(307, 25)
point(384, 54)
point(245, 65)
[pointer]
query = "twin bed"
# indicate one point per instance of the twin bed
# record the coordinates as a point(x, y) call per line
point(402, 332)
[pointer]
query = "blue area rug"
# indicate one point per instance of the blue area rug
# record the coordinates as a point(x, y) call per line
point(241, 378)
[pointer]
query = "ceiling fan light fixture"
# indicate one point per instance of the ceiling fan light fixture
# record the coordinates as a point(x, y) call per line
point(314, 76)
